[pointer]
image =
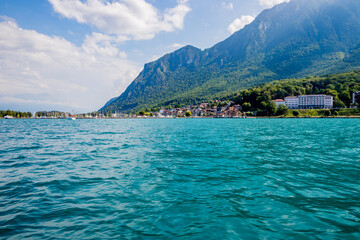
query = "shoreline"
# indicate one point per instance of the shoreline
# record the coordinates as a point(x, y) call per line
point(262, 117)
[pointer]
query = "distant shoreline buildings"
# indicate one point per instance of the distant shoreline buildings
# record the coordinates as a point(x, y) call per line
point(319, 101)
point(216, 109)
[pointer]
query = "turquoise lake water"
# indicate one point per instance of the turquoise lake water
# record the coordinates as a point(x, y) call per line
point(180, 179)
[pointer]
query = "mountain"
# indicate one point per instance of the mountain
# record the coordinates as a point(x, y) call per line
point(291, 40)
point(110, 102)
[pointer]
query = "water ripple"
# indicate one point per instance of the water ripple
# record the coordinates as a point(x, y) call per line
point(180, 179)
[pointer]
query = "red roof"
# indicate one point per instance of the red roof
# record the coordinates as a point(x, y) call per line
point(279, 100)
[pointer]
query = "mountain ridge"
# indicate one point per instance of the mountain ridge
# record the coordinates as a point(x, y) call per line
point(295, 39)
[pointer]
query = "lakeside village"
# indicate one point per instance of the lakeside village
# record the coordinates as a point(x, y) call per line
point(215, 109)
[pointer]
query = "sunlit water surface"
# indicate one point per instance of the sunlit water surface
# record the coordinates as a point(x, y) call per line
point(180, 179)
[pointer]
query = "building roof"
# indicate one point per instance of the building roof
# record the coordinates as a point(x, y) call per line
point(313, 95)
point(279, 100)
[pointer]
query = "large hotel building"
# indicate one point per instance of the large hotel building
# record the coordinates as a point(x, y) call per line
point(320, 101)
point(356, 97)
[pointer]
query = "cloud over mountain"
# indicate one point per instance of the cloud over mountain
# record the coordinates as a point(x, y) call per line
point(240, 23)
point(271, 3)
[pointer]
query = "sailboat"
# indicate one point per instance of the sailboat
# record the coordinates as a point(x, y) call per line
point(71, 117)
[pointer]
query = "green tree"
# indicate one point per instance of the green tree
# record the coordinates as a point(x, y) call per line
point(246, 106)
point(311, 113)
point(327, 113)
point(338, 103)
point(188, 113)
point(271, 108)
point(281, 93)
point(263, 105)
point(282, 110)
point(296, 113)
point(345, 96)
point(332, 92)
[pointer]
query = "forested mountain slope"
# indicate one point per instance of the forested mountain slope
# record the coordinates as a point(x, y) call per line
point(291, 40)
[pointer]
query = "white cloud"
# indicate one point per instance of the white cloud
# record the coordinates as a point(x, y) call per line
point(130, 19)
point(271, 3)
point(229, 6)
point(155, 57)
point(6, 18)
point(43, 70)
point(17, 100)
point(240, 23)
point(102, 44)
point(176, 46)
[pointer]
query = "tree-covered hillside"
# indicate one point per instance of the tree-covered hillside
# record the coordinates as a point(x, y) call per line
point(291, 40)
point(15, 114)
point(340, 86)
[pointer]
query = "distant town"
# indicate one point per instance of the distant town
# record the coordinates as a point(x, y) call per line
point(214, 109)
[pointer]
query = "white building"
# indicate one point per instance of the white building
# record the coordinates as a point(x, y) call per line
point(356, 97)
point(319, 101)
point(329, 101)
point(292, 102)
point(279, 102)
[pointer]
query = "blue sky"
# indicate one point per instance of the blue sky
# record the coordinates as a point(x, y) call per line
point(76, 54)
